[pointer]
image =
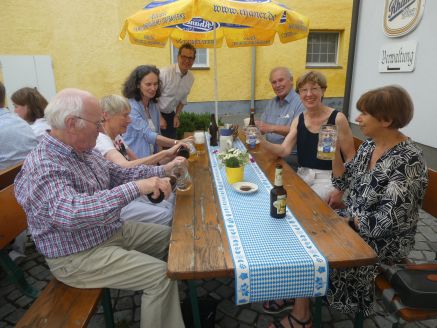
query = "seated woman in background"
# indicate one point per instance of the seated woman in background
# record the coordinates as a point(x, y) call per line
point(143, 133)
point(304, 131)
point(29, 105)
point(111, 145)
point(386, 180)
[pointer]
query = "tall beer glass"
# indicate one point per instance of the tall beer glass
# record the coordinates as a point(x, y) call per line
point(327, 142)
point(199, 142)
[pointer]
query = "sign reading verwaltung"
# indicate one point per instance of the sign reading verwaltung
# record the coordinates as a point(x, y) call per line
point(398, 57)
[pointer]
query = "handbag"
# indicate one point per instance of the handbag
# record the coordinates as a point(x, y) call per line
point(415, 284)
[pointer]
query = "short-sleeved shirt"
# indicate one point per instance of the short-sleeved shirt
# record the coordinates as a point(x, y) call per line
point(17, 139)
point(104, 144)
point(282, 113)
point(175, 88)
point(40, 127)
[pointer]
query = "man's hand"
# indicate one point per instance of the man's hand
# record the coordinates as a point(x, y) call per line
point(176, 122)
point(154, 185)
point(179, 160)
point(263, 127)
point(162, 123)
point(335, 199)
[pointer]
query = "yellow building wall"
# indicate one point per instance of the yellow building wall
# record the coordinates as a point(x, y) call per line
point(81, 36)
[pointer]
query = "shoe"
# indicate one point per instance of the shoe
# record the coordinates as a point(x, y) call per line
point(273, 307)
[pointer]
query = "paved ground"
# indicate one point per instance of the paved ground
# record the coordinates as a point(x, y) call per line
point(127, 304)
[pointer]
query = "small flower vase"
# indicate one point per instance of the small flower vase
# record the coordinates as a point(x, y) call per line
point(234, 174)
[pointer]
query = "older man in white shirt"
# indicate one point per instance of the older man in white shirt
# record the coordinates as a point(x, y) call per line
point(176, 82)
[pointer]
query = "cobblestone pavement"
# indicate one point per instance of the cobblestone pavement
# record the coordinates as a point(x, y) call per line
point(126, 304)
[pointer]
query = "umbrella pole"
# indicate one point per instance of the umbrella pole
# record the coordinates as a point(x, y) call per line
point(215, 77)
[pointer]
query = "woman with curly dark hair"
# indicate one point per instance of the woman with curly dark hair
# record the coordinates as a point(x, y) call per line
point(29, 105)
point(142, 88)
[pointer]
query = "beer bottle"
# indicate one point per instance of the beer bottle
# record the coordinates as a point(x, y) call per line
point(160, 197)
point(251, 139)
point(278, 195)
point(252, 119)
point(213, 131)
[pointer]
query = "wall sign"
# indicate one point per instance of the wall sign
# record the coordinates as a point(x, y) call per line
point(398, 57)
point(402, 16)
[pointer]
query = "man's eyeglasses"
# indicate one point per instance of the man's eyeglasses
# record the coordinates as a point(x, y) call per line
point(187, 58)
point(98, 124)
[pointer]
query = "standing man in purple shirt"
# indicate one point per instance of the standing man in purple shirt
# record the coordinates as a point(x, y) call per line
point(281, 110)
point(72, 197)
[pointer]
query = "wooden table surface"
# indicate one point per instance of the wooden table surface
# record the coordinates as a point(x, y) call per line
point(199, 247)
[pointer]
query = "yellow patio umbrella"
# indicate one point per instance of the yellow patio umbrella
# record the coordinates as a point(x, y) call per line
point(205, 23)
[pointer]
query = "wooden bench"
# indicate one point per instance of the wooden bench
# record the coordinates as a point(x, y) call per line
point(7, 176)
point(12, 223)
point(60, 305)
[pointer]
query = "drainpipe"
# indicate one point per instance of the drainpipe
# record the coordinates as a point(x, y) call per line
point(252, 81)
point(351, 57)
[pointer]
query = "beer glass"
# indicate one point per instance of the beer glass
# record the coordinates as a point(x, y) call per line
point(199, 141)
point(192, 150)
point(183, 177)
point(327, 142)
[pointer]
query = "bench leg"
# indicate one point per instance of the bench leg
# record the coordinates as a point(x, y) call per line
point(107, 308)
point(194, 303)
point(317, 316)
point(16, 275)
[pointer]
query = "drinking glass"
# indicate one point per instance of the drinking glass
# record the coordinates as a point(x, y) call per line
point(327, 142)
point(183, 177)
point(192, 150)
point(199, 141)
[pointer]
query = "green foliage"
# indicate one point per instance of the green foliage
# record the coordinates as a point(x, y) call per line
point(193, 121)
point(233, 158)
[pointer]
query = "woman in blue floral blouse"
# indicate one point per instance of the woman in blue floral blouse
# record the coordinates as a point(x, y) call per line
point(386, 182)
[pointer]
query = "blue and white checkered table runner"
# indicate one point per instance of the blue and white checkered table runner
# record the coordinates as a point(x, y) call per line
point(273, 258)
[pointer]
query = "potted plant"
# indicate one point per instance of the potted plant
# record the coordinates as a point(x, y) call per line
point(234, 161)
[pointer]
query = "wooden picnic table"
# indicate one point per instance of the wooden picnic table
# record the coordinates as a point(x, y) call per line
point(199, 247)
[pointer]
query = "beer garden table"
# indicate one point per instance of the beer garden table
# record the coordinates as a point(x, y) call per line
point(199, 246)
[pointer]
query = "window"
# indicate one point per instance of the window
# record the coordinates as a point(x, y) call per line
point(322, 49)
point(201, 57)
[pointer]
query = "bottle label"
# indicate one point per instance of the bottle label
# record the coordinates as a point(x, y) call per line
point(280, 204)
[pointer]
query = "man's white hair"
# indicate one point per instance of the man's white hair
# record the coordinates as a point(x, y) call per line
point(67, 102)
point(286, 70)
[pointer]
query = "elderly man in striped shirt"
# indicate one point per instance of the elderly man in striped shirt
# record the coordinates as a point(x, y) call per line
point(72, 197)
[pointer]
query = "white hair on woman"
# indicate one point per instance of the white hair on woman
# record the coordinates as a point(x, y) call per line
point(67, 102)
point(113, 104)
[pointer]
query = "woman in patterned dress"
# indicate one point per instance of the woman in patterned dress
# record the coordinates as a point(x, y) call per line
point(386, 180)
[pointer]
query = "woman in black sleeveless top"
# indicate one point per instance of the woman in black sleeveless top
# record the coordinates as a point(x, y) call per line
point(317, 173)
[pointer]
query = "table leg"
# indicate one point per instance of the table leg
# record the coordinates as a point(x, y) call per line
point(194, 303)
point(317, 317)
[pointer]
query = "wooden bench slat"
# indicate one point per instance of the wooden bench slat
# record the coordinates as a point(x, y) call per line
point(12, 217)
point(60, 305)
point(7, 176)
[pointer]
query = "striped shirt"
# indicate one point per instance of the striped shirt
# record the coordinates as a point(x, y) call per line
point(73, 200)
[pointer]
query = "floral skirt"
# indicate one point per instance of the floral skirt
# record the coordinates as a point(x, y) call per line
point(352, 290)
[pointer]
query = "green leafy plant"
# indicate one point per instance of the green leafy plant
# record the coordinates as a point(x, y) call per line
point(193, 121)
point(233, 158)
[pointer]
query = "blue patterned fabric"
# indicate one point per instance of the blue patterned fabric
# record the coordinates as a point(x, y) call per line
point(273, 258)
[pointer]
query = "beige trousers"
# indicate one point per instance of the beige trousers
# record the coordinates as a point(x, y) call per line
point(131, 259)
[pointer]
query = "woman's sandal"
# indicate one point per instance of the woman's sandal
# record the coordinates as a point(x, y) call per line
point(290, 317)
point(273, 307)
